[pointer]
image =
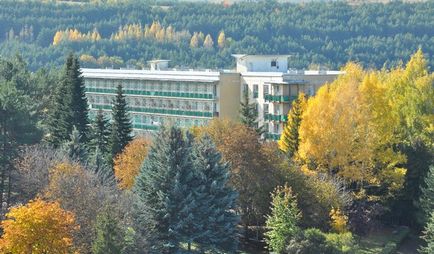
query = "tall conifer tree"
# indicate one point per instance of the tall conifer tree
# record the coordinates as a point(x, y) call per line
point(121, 126)
point(216, 199)
point(79, 104)
point(249, 113)
point(99, 146)
point(68, 106)
point(426, 203)
point(163, 187)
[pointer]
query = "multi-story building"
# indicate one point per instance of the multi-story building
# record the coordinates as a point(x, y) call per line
point(193, 97)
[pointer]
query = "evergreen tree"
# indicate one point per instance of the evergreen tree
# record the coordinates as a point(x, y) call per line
point(428, 236)
point(163, 187)
point(290, 139)
point(282, 224)
point(426, 203)
point(249, 113)
point(100, 142)
point(217, 200)
point(79, 104)
point(74, 148)
point(60, 115)
point(121, 125)
point(109, 235)
point(68, 106)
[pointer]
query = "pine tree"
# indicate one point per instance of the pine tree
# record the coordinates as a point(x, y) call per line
point(428, 236)
point(216, 198)
point(163, 187)
point(290, 138)
point(249, 113)
point(100, 149)
point(109, 235)
point(121, 125)
point(282, 223)
point(426, 203)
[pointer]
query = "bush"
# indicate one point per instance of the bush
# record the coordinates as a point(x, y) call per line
point(310, 241)
point(341, 243)
point(314, 241)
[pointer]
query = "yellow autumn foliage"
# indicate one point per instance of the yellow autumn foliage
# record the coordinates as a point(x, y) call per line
point(38, 227)
point(339, 221)
point(128, 163)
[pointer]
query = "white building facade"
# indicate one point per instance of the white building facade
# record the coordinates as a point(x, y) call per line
point(192, 98)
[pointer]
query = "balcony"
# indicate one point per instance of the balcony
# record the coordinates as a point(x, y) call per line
point(277, 118)
point(272, 136)
point(152, 93)
point(159, 111)
point(279, 98)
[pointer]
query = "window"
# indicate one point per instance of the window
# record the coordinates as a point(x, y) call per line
point(245, 89)
point(273, 63)
point(266, 90)
point(255, 91)
point(265, 109)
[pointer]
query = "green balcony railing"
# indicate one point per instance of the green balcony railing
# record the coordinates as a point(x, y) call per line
point(145, 127)
point(277, 118)
point(151, 93)
point(159, 111)
point(272, 136)
point(279, 98)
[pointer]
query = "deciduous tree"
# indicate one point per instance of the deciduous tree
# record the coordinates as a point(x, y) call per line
point(38, 227)
point(128, 163)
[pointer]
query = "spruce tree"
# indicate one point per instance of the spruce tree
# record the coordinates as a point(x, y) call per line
point(290, 138)
point(428, 236)
point(99, 146)
point(75, 149)
point(109, 235)
point(216, 199)
point(249, 113)
point(426, 203)
point(282, 223)
point(121, 124)
point(59, 122)
point(68, 106)
point(79, 106)
point(163, 187)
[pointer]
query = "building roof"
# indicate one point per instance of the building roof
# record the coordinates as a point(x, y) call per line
point(169, 75)
point(237, 56)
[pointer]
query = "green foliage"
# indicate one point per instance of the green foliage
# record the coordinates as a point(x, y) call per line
point(426, 203)
point(74, 148)
point(162, 186)
point(217, 200)
point(312, 240)
point(79, 106)
point(321, 34)
point(17, 120)
point(121, 125)
point(68, 106)
point(109, 235)
point(99, 145)
point(282, 223)
point(249, 113)
point(428, 236)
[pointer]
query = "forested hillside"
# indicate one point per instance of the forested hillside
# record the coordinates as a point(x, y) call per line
point(326, 34)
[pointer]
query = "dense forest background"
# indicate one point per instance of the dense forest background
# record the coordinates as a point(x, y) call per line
point(324, 35)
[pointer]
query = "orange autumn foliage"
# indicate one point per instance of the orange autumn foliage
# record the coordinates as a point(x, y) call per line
point(127, 164)
point(38, 227)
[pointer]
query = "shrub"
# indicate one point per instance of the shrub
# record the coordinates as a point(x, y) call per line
point(338, 221)
point(341, 243)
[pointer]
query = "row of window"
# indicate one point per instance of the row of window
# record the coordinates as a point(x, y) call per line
point(151, 85)
point(156, 103)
